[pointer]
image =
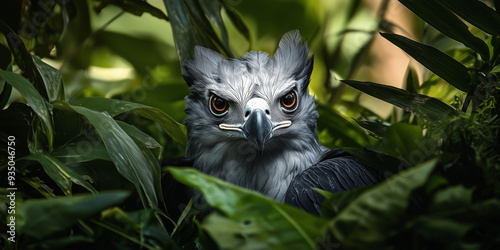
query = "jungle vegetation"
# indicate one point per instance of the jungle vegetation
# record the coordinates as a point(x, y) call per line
point(92, 100)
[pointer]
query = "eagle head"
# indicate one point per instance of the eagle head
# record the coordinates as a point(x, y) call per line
point(251, 121)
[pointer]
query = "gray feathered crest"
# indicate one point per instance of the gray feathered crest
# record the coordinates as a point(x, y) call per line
point(290, 60)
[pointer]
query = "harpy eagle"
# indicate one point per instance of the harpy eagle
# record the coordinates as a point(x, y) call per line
point(251, 122)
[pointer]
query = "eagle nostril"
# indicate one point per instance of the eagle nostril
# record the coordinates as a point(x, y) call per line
point(267, 111)
point(247, 114)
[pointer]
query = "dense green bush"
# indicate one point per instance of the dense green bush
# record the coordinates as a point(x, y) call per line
point(441, 154)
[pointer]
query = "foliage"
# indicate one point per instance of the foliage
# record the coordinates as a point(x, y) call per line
point(440, 157)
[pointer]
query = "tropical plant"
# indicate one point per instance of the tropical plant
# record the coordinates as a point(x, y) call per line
point(440, 154)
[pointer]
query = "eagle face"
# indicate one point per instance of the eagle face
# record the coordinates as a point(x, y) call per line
point(251, 121)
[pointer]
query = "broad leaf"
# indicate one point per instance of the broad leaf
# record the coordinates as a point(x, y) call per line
point(52, 80)
point(250, 220)
point(423, 106)
point(115, 107)
point(23, 58)
point(41, 218)
point(367, 222)
point(476, 13)
point(139, 136)
point(447, 23)
point(436, 61)
point(335, 202)
point(82, 149)
point(61, 174)
point(191, 27)
point(137, 7)
point(39, 105)
point(127, 156)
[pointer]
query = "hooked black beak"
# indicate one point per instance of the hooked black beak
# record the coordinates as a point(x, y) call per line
point(258, 128)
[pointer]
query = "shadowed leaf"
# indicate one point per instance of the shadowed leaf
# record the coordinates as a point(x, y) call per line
point(367, 222)
point(52, 80)
point(447, 23)
point(61, 174)
point(115, 107)
point(39, 105)
point(137, 7)
point(250, 220)
point(128, 157)
point(41, 218)
point(436, 61)
point(476, 13)
point(423, 106)
point(24, 59)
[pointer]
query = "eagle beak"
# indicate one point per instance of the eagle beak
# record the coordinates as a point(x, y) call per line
point(258, 128)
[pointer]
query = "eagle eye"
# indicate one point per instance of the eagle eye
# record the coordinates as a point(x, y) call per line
point(289, 101)
point(218, 106)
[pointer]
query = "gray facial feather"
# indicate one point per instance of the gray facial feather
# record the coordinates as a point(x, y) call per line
point(227, 154)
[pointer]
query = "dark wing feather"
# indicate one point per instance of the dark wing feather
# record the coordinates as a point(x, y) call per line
point(336, 172)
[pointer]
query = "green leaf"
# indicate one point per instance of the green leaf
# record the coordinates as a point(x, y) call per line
point(115, 107)
point(42, 218)
point(345, 133)
point(237, 21)
point(23, 58)
point(335, 202)
point(368, 221)
point(452, 225)
point(139, 136)
point(250, 220)
point(447, 23)
point(82, 149)
point(436, 61)
point(61, 174)
point(52, 80)
point(129, 159)
point(6, 91)
point(377, 128)
point(476, 13)
point(452, 198)
point(191, 27)
point(405, 141)
point(423, 106)
point(39, 105)
point(136, 7)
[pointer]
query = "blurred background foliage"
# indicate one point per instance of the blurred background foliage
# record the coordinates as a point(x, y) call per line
point(105, 104)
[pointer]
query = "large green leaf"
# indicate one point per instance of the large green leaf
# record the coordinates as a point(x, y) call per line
point(367, 222)
point(39, 105)
point(82, 149)
point(447, 23)
point(137, 7)
point(249, 220)
point(191, 27)
point(52, 80)
point(115, 107)
point(129, 159)
point(41, 218)
point(426, 107)
point(23, 58)
point(476, 13)
point(335, 202)
point(436, 61)
point(61, 174)
point(139, 136)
